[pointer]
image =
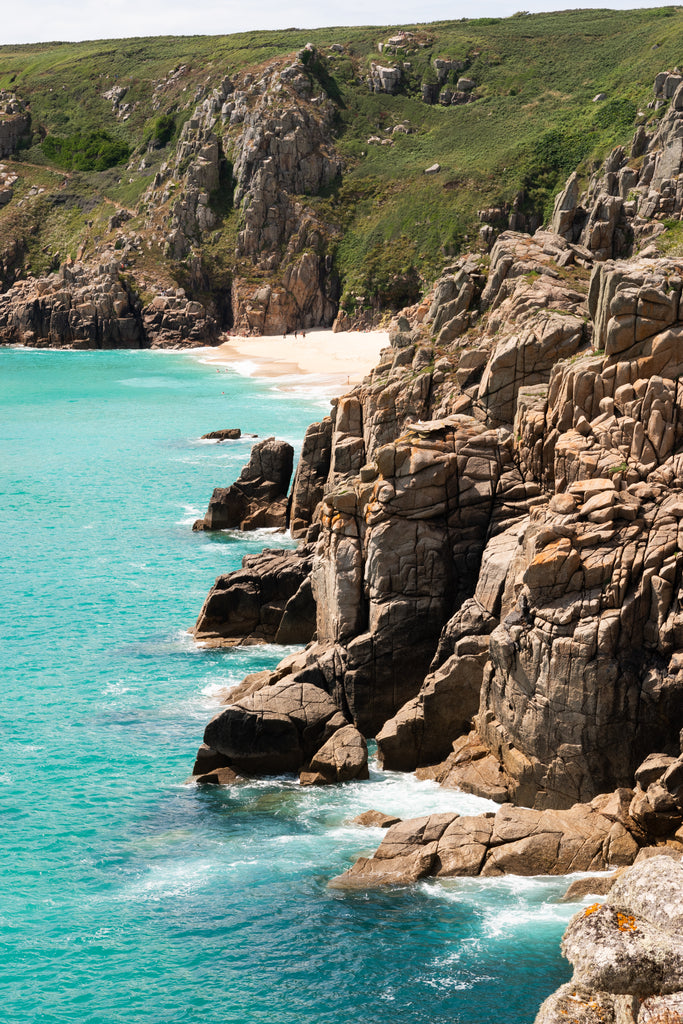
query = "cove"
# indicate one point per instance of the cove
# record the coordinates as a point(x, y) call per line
point(127, 896)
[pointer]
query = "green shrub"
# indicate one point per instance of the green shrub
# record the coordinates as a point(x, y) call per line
point(159, 132)
point(95, 151)
point(617, 114)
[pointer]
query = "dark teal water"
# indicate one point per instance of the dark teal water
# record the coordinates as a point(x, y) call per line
point(125, 896)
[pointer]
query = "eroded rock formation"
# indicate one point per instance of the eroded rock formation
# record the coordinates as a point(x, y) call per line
point(259, 495)
point(95, 307)
point(266, 141)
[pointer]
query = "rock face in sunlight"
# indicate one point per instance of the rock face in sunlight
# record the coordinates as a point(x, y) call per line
point(627, 952)
point(587, 837)
point(287, 727)
point(258, 497)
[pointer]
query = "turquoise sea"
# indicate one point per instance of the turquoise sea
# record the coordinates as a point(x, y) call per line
point(125, 895)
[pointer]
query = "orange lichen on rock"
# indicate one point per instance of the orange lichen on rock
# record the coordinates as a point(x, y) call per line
point(626, 923)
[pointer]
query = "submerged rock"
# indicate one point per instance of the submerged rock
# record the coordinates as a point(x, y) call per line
point(228, 434)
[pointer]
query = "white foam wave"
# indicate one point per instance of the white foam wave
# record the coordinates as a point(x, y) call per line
point(115, 690)
point(179, 879)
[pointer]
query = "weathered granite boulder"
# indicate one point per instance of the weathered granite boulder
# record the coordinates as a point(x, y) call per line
point(268, 600)
point(627, 953)
point(259, 495)
point(277, 729)
point(587, 837)
point(375, 819)
point(383, 78)
point(174, 321)
point(15, 122)
point(343, 758)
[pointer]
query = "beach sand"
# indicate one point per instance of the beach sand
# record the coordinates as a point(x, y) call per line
point(333, 362)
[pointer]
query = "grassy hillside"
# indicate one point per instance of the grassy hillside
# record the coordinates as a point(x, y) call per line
point(534, 121)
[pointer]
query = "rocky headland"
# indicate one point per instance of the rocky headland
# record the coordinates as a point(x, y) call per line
point(490, 565)
point(489, 577)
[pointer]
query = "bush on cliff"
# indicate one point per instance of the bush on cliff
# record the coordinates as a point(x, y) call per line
point(95, 151)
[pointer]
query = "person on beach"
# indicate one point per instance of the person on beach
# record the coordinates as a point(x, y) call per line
point(296, 335)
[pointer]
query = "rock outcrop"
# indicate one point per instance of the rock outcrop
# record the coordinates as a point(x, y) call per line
point(77, 307)
point(285, 728)
point(494, 563)
point(15, 122)
point(94, 306)
point(268, 600)
point(259, 495)
point(587, 837)
point(626, 199)
point(267, 142)
point(626, 952)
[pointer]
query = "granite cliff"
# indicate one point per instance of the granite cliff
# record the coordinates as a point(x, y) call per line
point(491, 525)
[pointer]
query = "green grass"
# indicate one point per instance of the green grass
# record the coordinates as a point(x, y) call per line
point(535, 121)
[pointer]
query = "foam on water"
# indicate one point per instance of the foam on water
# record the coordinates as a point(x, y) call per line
point(126, 896)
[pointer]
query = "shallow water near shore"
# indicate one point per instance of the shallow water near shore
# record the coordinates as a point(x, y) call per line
point(126, 896)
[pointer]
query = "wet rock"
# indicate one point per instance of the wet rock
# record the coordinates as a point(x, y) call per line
point(598, 885)
point(513, 841)
point(217, 777)
point(375, 819)
point(228, 434)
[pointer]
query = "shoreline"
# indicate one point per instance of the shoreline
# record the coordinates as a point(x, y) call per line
point(321, 358)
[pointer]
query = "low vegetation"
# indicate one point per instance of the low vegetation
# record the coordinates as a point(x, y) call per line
point(113, 110)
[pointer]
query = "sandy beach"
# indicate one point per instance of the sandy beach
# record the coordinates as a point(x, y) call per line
point(331, 361)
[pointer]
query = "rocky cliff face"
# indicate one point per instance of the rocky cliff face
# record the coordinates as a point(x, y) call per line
point(628, 197)
point(93, 306)
point(15, 122)
point(498, 528)
point(266, 140)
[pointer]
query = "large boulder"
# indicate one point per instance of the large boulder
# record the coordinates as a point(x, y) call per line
point(277, 729)
point(258, 497)
point(343, 758)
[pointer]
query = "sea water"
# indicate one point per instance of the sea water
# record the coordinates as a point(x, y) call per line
point(125, 895)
